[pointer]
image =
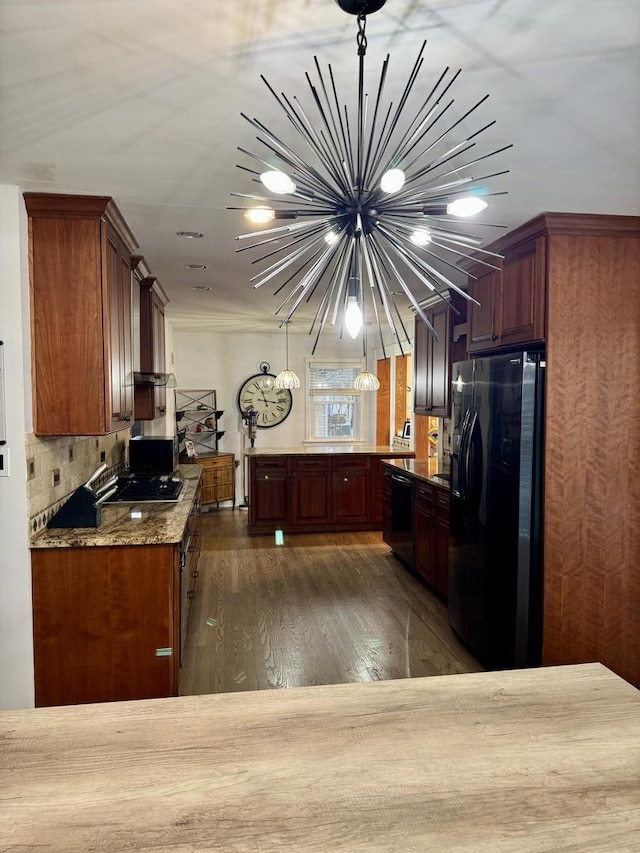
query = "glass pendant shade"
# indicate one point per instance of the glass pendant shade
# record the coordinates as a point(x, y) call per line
point(286, 379)
point(366, 382)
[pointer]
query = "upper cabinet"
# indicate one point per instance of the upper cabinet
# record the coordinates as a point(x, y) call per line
point(512, 298)
point(151, 397)
point(432, 358)
point(80, 274)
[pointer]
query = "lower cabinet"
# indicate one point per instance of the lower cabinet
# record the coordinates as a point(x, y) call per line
point(316, 492)
point(218, 478)
point(431, 535)
point(109, 622)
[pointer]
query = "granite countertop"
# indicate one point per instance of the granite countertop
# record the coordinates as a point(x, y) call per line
point(317, 449)
point(421, 469)
point(153, 524)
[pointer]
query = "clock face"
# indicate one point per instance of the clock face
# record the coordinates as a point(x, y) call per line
point(272, 405)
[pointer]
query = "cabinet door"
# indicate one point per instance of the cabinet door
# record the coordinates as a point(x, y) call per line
point(423, 531)
point(311, 502)
point(351, 496)
point(387, 498)
point(269, 496)
point(119, 331)
point(421, 389)
point(484, 329)
point(104, 627)
point(441, 546)
point(159, 351)
point(432, 367)
point(521, 307)
point(438, 368)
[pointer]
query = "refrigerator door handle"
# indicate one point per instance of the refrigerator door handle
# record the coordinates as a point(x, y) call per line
point(466, 462)
point(461, 451)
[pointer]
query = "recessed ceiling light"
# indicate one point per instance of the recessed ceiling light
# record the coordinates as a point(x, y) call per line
point(195, 266)
point(190, 235)
point(200, 287)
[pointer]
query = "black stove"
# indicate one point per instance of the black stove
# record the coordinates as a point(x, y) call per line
point(142, 488)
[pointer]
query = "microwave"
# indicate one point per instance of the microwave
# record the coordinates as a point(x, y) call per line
point(152, 454)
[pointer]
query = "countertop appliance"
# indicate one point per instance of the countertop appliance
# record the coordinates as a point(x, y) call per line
point(151, 454)
point(495, 553)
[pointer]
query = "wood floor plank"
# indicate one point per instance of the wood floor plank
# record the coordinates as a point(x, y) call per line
point(320, 609)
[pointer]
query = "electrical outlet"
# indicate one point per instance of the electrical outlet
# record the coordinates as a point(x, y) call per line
point(4, 462)
point(31, 468)
point(103, 456)
point(55, 476)
point(71, 453)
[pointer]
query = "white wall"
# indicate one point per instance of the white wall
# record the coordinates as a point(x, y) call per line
point(16, 645)
point(223, 360)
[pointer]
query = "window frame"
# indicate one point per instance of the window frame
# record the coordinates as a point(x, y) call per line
point(350, 393)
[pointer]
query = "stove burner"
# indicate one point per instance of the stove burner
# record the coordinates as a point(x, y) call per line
point(134, 489)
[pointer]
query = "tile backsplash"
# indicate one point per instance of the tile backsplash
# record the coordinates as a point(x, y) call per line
point(75, 458)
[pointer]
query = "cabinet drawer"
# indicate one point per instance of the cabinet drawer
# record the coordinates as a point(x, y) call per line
point(351, 463)
point(314, 463)
point(425, 492)
point(270, 463)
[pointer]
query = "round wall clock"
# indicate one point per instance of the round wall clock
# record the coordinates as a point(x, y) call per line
point(273, 405)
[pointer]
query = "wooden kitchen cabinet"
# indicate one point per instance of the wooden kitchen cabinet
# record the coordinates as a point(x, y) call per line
point(431, 535)
point(433, 358)
point(151, 398)
point(570, 281)
point(80, 278)
point(109, 622)
point(512, 299)
point(351, 490)
point(317, 492)
point(311, 490)
point(218, 478)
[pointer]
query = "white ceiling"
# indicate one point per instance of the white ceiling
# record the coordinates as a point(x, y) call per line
point(141, 100)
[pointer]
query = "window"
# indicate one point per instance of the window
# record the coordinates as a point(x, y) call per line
point(334, 410)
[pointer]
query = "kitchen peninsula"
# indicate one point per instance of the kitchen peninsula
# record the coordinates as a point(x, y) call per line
point(111, 604)
point(316, 489)
point(492, 762)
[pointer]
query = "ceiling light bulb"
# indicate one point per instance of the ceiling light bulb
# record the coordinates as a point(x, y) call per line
point(392, 181)
point(353, 317)
point(278, 182)
point(330, 237)
point(467, 206)
point(420, 237)
point(260, 215)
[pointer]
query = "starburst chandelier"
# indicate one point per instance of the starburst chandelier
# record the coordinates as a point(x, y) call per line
point(370, 205)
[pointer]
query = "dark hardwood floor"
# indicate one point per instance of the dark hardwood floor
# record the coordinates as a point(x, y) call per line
point(320, 609)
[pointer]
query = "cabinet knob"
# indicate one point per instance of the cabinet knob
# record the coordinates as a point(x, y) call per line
point(163, 409)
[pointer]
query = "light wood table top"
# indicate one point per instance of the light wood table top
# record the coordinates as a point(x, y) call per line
point(531, 760)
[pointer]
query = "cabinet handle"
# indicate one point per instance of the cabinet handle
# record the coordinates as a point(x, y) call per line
point(196, 574)
point(479, 338)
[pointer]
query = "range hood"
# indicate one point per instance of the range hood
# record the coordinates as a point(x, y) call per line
point(164, 380)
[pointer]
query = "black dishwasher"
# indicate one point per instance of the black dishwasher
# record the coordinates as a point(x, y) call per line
point(402, 503)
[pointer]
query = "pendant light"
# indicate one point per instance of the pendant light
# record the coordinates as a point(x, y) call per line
point(286, 378)
point(365, 381)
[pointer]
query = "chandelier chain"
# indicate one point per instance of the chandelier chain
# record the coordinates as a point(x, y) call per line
point(361, 37)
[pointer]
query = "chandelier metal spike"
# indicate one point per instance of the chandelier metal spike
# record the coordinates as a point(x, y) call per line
point(368, 204)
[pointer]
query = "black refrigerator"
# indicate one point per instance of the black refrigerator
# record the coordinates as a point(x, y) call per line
point(495, 545)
